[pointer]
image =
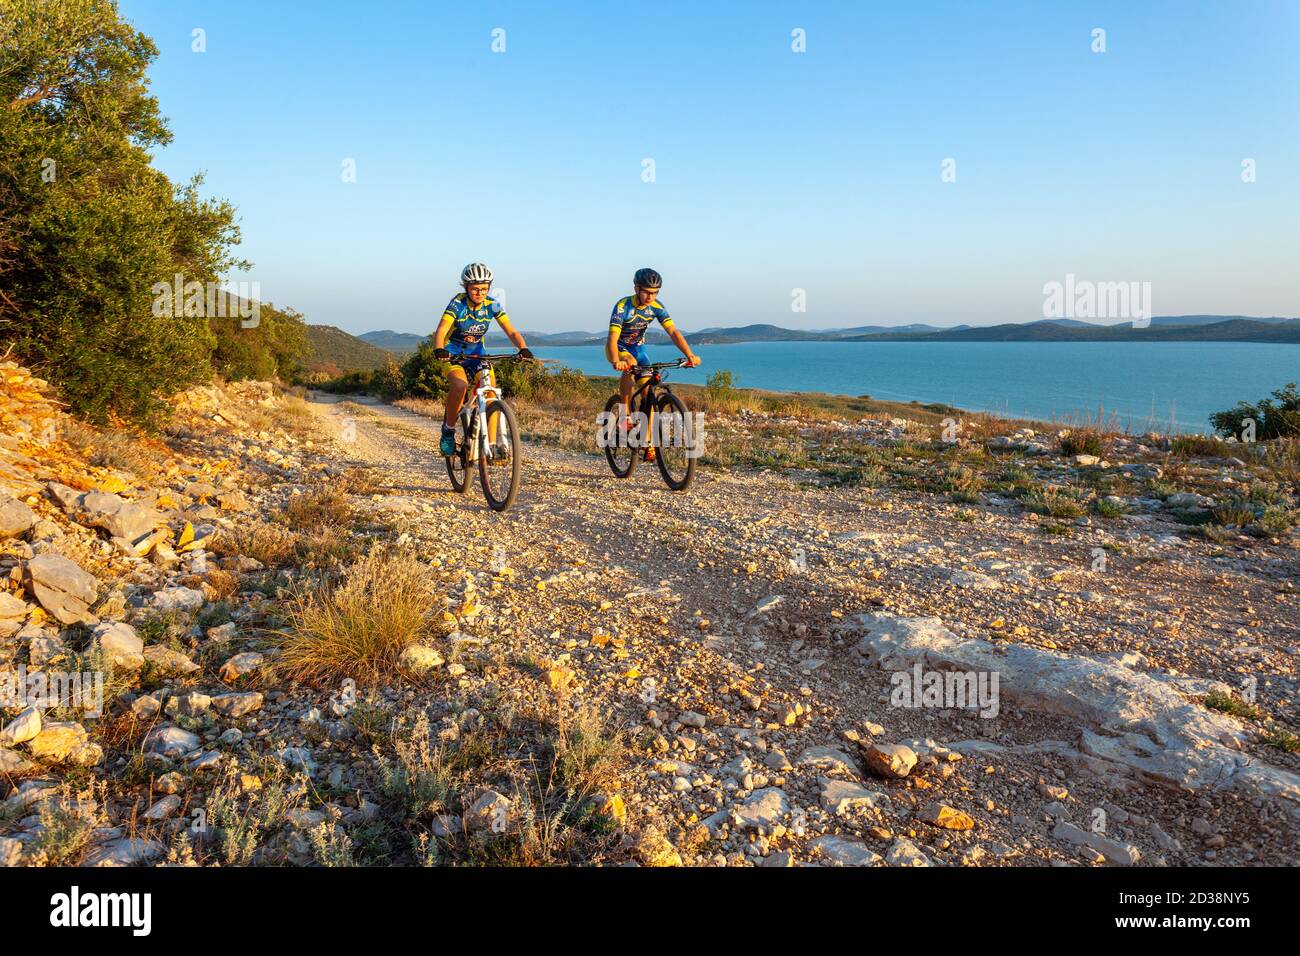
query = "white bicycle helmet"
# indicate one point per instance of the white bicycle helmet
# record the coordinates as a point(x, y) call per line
point(475, 272)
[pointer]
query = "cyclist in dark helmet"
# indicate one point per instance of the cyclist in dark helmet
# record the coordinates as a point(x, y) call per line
point(625, 347)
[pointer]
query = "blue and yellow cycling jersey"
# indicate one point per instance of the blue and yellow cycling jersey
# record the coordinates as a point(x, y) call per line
point(468, 324)
point(630, 320)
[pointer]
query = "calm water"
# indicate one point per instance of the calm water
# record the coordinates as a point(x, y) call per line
point(1166, 386)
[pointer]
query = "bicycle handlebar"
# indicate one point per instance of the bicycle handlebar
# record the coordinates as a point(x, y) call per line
point(656, 366)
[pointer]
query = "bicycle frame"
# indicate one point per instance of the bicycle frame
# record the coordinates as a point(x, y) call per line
point(654, 380)
point(475, 412)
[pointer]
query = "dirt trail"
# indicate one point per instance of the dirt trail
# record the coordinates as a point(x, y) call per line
point(741, 589)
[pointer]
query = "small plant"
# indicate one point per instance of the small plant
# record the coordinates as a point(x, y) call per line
point(358, 481)
point(867, 475)
point(962, 485)
point(1089, 434)
point(1282, 458)
point(1054, 501)
point(1015, 481)
point(223, 583)
point(1106, 508)
point(1201, 446)
point(1265, 493)
point(331, 846)
point(1213, 532)
point(1275, 520)
point(1160, 488)
point(1228, 704)
point(67, 823)
point(1282, 739)
point(181, 851)
point(721, 394)
point(241, 830)
point(293, 415)
point(429, 772)
point(1084, 441)
point(587, 760)
point(1233, 511)
point(325, 547)
point(371, 719)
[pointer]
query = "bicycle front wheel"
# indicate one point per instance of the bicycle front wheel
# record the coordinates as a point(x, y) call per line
point(498, 468)
point(675, 441)
point(618, 451)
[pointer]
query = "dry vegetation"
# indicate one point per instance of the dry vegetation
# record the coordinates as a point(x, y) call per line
point(357, 624)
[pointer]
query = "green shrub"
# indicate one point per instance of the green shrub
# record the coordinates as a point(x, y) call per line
point(423, 376)
point(1228, 704)
point(356, 382)
point(1201, 446)
point(272, 349)
point(1054, 502)
point(720, 388)
point(1273, 419)
point(1085, 441)
point(1234, 511)
point(1275, 520)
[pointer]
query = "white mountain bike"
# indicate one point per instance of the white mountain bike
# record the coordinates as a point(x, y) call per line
point(486, 433)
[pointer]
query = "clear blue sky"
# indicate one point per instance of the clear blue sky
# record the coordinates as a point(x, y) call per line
point(774, 170)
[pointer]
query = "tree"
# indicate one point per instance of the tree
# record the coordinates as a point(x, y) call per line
point(87, 225)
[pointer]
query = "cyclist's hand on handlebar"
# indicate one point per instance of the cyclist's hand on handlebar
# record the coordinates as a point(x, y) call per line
point(622, 365)
point(692, 361)
point(526, 354)
point(441, 355)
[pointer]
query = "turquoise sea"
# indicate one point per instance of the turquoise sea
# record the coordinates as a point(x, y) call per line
point(1165, 386)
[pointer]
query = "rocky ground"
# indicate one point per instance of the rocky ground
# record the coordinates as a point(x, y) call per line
point(617, 674)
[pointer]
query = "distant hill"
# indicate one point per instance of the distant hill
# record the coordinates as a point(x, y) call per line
point(758, 333)
point(405, 342)
point(338, 351)
point(1163, 328)
point(1232, 330)
point(1215, 319)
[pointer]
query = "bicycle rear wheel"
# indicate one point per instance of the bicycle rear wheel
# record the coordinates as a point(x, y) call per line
point(458, 464)
point(620, 455)
point(499, 472)
point(675, 441)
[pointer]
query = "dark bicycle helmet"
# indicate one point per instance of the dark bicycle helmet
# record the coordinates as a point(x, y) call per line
point(648, 279)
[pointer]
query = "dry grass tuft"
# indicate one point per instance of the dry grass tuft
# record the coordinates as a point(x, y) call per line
point(292, 414)
point(223, 584)
point(325, 507)
point(358, 626)
point(111, 448)
point(358, 481)
point(267, 543)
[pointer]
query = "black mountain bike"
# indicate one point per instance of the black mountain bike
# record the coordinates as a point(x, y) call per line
point(486, 433)
point(656, 425)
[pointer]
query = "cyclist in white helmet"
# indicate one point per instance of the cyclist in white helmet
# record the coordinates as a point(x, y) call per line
point(459, 339)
